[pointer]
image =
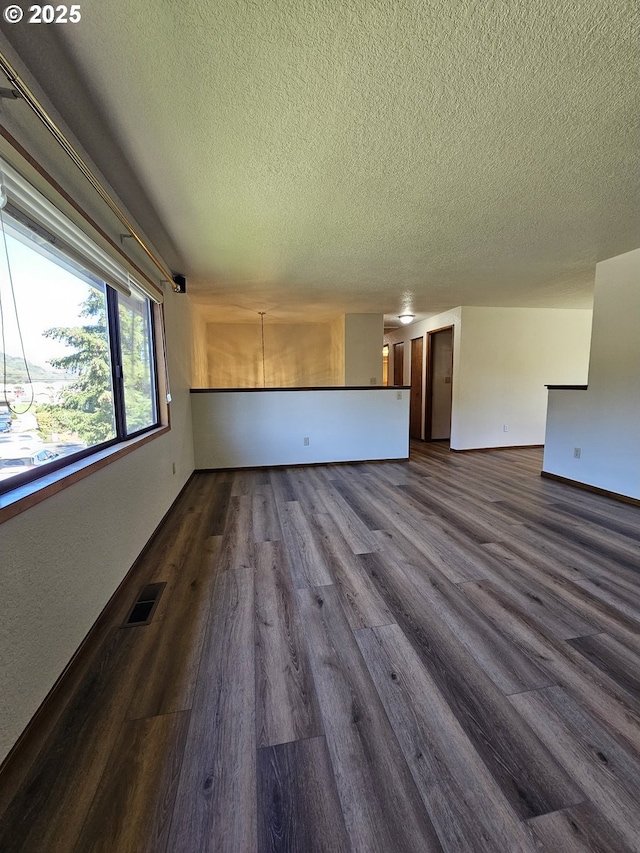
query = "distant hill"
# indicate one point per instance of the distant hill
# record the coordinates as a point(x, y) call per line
point(16, 371)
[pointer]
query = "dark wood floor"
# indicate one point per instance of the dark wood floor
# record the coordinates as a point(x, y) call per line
point(442, 654)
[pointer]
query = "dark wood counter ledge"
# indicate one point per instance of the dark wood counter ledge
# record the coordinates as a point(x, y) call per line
point(319, 388)
point(566, 387)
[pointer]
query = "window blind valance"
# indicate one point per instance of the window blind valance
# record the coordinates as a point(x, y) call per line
point(65, 234)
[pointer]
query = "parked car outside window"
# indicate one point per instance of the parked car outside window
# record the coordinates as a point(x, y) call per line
point(20, 464)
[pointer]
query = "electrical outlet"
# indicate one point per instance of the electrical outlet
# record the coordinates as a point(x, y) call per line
point(398, 395)
point(305, 441)
point(576, 452)
point(505, 427)
point(373, 381)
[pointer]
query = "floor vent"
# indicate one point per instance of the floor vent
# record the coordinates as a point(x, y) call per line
point(145, 605)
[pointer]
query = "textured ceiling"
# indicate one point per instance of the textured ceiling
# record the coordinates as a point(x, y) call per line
point(315, 158)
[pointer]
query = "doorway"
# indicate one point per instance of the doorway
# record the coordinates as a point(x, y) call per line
point(439, 384)
point(415, 398)
point(398, 364)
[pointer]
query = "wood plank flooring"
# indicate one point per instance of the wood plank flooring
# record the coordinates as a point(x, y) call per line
point(441, 654)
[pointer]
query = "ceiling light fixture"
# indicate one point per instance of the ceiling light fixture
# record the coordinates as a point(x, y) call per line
point(406, 318)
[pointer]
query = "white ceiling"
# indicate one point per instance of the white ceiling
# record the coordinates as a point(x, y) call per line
point(316, 158)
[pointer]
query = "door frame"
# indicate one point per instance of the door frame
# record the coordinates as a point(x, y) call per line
point(419, 385)
point(395, 370)
point(428, 401)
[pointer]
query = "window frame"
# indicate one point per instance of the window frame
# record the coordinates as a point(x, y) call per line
point(153, 349)
point(25, 490)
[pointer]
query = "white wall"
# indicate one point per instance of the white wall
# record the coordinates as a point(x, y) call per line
point(507, 356)
point(254, 428)
point(604, 421)
point(363, 349)
point(502, 360)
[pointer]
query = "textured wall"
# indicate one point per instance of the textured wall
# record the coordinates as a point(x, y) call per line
point(296, 355)
point(507, 355)
point(199, 362)
point(238, 430)
point(363, 349)
point(337, 349)
point(604, 421)
point(502, 359)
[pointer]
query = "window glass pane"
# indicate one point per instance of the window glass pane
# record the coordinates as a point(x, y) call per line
point(62, 400)
point(137, 363)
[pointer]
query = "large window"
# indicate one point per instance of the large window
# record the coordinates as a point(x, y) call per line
point(134, 318)
point(77, 370)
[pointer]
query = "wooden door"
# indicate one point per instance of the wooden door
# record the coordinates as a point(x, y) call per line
point(398, 364)
point(415, 400)
point(439, 388)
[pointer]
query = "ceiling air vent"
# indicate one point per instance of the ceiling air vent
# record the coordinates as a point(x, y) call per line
point(144, 605)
